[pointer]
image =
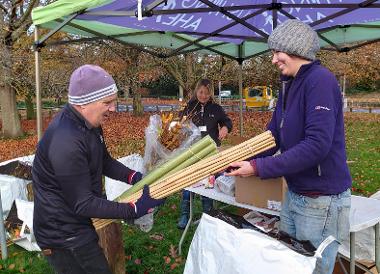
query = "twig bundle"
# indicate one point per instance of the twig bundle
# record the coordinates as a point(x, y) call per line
point(202, 169)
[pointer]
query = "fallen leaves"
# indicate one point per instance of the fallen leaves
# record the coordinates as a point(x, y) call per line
point(167, 259)
point(157, 237)
point(173, 259)
point(173, 251)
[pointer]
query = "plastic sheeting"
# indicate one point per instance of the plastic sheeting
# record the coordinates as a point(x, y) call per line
point(25, 214)
point(12, 187)
point(155, 152)
point(218, 247)
point(364, 241)
point(115, 188)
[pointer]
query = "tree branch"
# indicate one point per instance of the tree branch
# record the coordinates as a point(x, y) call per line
point(26, 14)
point(3, 8)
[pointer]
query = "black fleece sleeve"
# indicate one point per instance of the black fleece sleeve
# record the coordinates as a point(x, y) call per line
point(224, 120)
point(70, 165)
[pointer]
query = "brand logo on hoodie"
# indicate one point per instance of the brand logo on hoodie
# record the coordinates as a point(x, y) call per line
point(321, 107)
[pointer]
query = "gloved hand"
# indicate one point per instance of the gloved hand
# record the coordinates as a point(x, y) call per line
point(134, 177)
point(145, 203)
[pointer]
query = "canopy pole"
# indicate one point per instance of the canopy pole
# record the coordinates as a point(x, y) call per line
point(38, 85)
point(240, 61)
point(241, 97)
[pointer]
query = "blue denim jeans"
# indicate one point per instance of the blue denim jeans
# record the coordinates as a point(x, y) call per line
point(314, 219)
point(207, 203)
point(88, 259)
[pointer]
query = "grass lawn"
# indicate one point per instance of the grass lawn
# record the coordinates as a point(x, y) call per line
point(156, 251)
point(363, 152)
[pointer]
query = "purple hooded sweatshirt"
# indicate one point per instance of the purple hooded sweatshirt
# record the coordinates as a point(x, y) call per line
point(309, 130)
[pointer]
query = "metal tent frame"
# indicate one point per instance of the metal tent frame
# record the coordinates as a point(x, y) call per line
point(195, 41)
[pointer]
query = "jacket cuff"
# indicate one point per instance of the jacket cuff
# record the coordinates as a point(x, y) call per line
point(254, 165)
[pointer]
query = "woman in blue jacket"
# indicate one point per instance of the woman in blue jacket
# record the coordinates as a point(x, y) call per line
point(309, 130)
point(211, 120)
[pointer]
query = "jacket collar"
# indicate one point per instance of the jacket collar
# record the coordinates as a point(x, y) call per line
point(194, 100)
point(77, 116)
point(302, 71)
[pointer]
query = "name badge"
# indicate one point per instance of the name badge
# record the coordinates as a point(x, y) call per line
point(202, 128)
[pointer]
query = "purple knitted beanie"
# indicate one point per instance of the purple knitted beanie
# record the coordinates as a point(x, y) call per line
point(90, 83)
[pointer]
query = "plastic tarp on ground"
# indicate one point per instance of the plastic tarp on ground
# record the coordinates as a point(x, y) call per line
point(237, 29)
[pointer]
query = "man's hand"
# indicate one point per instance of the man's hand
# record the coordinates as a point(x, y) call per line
point(223, 131)
point(146, 203)
point(134, 177)
point(243, 169)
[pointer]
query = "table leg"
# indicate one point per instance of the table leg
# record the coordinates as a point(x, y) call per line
point(352, 252)
point(377, 246)
point(187, 225)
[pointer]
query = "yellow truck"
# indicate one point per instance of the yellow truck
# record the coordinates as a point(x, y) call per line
point(258, 96)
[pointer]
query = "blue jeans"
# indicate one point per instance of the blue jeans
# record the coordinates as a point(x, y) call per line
point(314, 219)
point(207, 203)
point(88, 258)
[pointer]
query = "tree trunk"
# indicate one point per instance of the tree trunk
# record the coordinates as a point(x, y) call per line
point(138, 109)
point(30, 113)
point(126, 92)
point(190, 77)
point(180, 96)
point(111, 241)
point(10, 119)
point(11, 125)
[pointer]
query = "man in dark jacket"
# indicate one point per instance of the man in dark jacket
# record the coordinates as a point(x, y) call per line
point(67, 177)
point(309, 130)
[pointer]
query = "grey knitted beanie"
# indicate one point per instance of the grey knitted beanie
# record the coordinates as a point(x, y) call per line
point(296, 38)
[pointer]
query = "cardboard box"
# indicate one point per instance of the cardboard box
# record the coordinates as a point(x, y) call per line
point(261, 193)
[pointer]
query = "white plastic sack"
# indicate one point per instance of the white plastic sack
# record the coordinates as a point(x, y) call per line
point(218, 247)
point(25, 214)
point(115, 188)
point(12, 187)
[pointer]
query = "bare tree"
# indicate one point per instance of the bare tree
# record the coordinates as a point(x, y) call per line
point(15, 19)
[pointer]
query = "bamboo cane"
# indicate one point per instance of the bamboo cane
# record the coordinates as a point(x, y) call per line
point(188, 176)
point(202, 167)
point(215, 159)
point(161, 195)
point(246, 145)
point(168, 166)
point(185, 183)
point(212, 169)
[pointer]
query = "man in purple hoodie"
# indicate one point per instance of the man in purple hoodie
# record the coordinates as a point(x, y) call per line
point(309, 130)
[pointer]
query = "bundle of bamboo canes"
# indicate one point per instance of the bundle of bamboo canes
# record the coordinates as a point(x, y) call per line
point(202, 169)
point(201, 149)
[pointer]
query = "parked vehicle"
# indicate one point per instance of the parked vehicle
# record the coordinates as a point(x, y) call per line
point(258, 96)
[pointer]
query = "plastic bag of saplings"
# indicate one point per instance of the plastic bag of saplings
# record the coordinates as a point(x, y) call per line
point(167, 136)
